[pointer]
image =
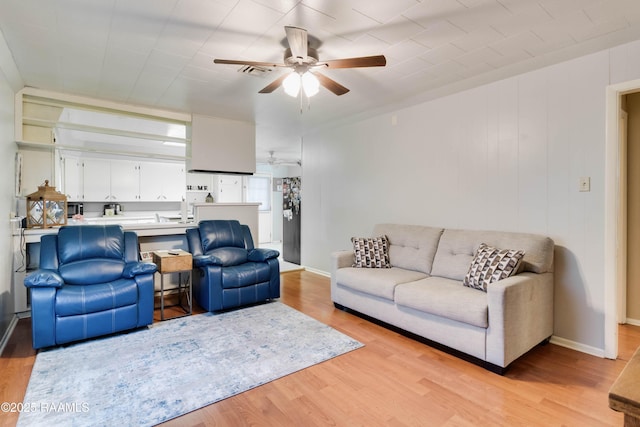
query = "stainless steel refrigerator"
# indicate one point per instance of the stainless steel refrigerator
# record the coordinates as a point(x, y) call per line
point(291, 198)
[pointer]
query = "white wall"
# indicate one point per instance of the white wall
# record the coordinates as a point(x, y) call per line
point(7, 189)
point(504, 156)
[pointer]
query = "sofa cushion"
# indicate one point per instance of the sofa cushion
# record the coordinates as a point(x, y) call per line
point(247, 274)
point(378, 282)
point(228, 256)
point(371, 252)
point(92, 271)
point(446, 298)
point(491, 264)
point(410, 246)
point(458, 247)
point(74, 300)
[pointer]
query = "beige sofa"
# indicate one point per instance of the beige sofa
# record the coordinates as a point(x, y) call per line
point(422, 293)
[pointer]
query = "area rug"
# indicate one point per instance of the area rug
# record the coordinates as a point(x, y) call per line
point(151, 375)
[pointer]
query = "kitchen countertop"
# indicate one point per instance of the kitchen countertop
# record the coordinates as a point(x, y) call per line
point(32, 235)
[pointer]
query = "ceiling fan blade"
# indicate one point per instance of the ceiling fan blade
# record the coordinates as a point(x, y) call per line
point(254, 63)
point(330, 84)
point(297, 38)
point(274, 84)
point(362, 61)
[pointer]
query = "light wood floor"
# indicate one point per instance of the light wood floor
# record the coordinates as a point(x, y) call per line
point(392, 381)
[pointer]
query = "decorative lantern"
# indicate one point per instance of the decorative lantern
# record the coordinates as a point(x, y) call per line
point(46, 207)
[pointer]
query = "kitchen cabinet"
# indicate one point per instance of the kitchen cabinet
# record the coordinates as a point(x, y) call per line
point(229, 189)
point(162, 182)
point(96, 175)
point(72, 179)
point(110, 180)
point(125, 180)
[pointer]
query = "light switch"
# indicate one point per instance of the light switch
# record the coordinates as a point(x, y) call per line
point(585, 183)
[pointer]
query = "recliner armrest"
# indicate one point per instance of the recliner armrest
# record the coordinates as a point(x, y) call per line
point(261, 255)
point(43, 278)
point(204, 260)
point(132, 269)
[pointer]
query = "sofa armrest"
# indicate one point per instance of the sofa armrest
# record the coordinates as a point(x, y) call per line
point(341, 259)
point(520, 315)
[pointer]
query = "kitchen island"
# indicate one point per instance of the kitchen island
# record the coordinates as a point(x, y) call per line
point(246, 213)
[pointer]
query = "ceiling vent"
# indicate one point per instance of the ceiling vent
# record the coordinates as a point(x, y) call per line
point(255, 70)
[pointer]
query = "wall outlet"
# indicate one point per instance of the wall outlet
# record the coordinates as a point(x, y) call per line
point(585, 183)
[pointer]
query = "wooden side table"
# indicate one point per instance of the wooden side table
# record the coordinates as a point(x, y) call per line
point(175, 261)
point(624, 394)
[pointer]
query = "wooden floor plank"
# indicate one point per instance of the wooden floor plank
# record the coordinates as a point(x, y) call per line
point(392, 381)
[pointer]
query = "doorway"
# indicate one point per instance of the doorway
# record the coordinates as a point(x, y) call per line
point(616, 208)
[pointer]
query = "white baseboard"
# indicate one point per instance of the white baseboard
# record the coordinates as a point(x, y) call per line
point(632, 322)
point(562, 342)
point(8, 332)
point(320, 272)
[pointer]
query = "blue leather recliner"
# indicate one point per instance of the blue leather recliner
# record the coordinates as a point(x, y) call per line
point(89, 283)
point(228, 270)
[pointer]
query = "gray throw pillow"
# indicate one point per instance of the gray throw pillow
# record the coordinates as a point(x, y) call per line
point(371, 252)
point(490, 265)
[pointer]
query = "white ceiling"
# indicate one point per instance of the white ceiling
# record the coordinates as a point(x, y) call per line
point(159, 52)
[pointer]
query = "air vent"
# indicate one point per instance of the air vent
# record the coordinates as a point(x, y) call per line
point(254, 70)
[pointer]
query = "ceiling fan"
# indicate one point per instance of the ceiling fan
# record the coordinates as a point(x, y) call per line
point(304, 61)
point(272, 160)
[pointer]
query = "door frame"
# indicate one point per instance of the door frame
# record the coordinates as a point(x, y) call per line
point(614, 202)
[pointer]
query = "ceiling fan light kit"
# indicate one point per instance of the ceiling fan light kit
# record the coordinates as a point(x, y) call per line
point(310, 84)
point(291, 84)
point(301, 58)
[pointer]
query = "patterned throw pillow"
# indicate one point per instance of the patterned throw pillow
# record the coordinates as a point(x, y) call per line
point(490, 265)
point(371, 252)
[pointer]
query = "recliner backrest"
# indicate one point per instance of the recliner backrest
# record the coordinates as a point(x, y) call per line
point(91, 254)
point(220, 233)
point(90, 241)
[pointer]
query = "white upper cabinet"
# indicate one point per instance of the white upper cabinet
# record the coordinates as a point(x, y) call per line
point(72, 178)
point(108, 180)
point(162, 182)
point(96, 175)
point(125, 180)
point(174, 182)
point(229, 189)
